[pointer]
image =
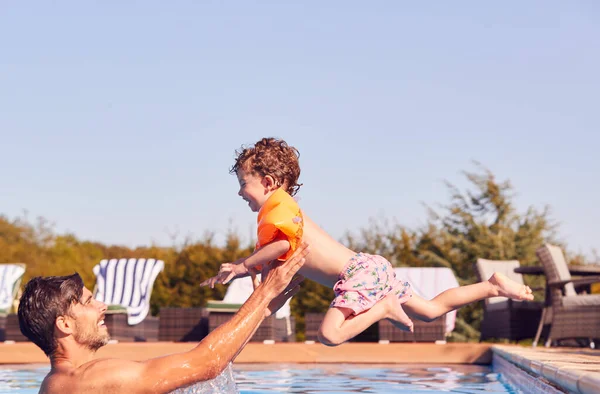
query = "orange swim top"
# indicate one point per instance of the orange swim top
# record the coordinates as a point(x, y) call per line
point(280, 218)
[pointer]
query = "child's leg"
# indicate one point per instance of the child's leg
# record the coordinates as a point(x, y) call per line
point(497, 285)
point(339, 325)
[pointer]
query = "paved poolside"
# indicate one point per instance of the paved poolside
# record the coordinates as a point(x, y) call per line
point(574, 370)
point(418, 353)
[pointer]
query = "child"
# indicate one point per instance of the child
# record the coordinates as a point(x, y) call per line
point(366, 288)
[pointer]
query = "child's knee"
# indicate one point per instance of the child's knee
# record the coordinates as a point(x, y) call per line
point(329, 337)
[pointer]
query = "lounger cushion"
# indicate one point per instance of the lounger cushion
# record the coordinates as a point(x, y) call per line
point(583, 299)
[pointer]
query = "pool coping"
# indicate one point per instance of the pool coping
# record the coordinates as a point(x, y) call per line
point(352, 353)
point(574, 370)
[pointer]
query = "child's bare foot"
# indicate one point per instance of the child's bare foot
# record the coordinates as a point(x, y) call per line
point(396, 314)
point(508, 288)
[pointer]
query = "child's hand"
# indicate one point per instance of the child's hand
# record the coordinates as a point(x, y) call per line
point(229, 271)
point(212, 281)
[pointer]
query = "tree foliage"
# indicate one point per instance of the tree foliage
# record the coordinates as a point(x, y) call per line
point(479, 222)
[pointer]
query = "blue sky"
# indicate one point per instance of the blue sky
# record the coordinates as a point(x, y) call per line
point(119, 120)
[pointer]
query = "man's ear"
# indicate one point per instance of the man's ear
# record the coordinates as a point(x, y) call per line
point(64, 324)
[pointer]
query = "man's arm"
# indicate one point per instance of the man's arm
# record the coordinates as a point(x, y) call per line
point(212, 355)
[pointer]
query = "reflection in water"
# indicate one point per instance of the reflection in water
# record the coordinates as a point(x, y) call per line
point(298, 378)
point(369, 379)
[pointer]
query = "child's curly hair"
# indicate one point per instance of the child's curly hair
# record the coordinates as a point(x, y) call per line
point(273, 157)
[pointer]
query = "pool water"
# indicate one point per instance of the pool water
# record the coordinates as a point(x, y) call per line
point(352, 378)
point(311, 378)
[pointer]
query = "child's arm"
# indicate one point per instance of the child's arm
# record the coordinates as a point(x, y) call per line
point(264, 255)
point(267, 253)
point(240, 268)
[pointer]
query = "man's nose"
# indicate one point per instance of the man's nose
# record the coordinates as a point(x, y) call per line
point(240, 193)
point(102, 306)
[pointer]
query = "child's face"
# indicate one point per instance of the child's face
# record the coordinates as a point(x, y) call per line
point(255, 189)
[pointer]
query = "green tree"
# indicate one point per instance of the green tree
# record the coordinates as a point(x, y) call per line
point(479, 222)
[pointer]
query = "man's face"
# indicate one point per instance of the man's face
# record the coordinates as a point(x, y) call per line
point(90, 329)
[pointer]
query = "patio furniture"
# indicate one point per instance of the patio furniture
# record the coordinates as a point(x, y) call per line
point(423, 331)
point(10, 288)
point(312, 322)
point(427, 282)
point(271, 328)
point(280, 327)
point(503, 317)
point(183, 324)
point(569, 315)
point(125, 285)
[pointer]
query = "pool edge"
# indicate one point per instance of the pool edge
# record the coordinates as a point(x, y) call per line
point(571, 370)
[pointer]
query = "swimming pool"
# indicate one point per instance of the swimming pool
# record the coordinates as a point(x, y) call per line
point(322, 378)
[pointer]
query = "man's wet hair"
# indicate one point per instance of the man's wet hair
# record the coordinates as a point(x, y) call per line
point(43, 301)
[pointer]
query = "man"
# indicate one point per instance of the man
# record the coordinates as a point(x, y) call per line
point(60, 316)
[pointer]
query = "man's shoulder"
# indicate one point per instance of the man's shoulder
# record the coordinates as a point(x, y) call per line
point(95, 376)
point(109, 370)
point(57, 380)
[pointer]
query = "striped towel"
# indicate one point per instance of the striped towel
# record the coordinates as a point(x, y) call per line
point(128, 283)
point(9, 275)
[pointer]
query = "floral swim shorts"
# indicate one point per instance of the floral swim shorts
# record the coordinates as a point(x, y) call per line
point(365, 280)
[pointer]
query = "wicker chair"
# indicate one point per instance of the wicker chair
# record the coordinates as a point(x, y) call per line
point(568, 314)
point(312, 322)
point(280, 328)
point(183, 324)
point(504, 317)
point(10, 288)
point(423, 331)
point(271, 328)
point(116, 322)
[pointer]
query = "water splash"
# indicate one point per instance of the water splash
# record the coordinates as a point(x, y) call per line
point(222, 384)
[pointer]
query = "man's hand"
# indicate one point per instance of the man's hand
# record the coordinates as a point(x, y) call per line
point(281, 299)
point(277, 277)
